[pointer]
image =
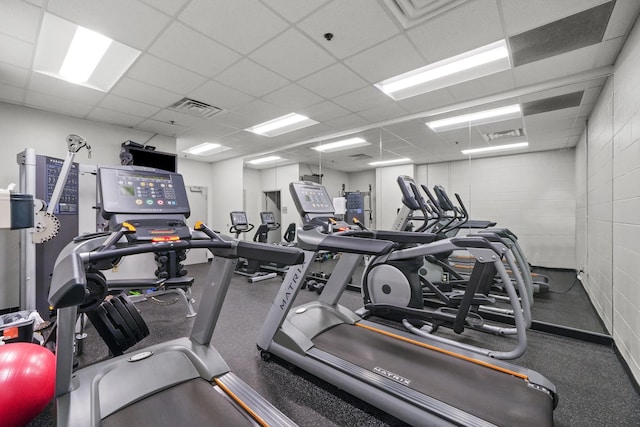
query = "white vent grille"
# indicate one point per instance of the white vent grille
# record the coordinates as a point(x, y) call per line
point(503, 134)
point(412, 12)
point(360, 156)
point(195, 108)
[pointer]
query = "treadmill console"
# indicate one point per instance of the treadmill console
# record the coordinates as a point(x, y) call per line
point(141, 190)
point(315, 206)
point(154, 201)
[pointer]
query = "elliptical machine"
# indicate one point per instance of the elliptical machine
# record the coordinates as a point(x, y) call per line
point(398, 290)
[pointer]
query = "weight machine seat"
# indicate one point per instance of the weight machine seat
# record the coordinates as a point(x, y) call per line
point(196, 402)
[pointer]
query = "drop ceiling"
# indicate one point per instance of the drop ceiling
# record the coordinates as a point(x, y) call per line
point(256, 60)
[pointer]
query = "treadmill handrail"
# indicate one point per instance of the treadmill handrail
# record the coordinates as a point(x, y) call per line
point(316, 240)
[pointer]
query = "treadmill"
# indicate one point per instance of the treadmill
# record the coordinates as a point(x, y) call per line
point(419, 381)
point(176, 382)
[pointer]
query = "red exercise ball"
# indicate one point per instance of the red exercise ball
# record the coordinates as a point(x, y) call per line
point(27, 381)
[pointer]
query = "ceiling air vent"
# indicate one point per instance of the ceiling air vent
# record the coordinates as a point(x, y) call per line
point(195, 108)
point(502, 134)
point(360, 156)
point(412, 12)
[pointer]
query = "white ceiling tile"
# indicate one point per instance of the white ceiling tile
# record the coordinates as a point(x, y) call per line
point(114, 117)
point(293, 97)
point(261, 111)
point(622, 19)
point(242, 25)
point(56, 104)
point(427, 101)
point(363, 99)
point(142, 92)
point(162, 128)
point(292, 55)
point(14, 76)
point(190, 49)
point(11, 93)
point(347, 122)
point(180, 119)
point(483, 86)
point(473, 24)
point(170, 7)
point(608, 51)
point(556, 66)
point(524, 15)
point(15, 52)
point(232, 120)
point(324, 111)
point(333, 81)
point(293, 10)
point(251, 78)
point(19, 19)
point(383, 112)
point(221, 96)
point(127, 106)
point(355, 24)
point(399, 57)
point(127, 21)
point(158, 72)
point(208, 130)
point(42, 83)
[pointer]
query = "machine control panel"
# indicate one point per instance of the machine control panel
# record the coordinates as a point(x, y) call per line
point(68, 204)
point(139, 190)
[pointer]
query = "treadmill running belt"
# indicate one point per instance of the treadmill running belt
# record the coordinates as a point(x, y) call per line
point(499, 398)
point(192, 403)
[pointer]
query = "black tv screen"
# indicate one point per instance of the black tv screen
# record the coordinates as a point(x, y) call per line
point(153, 159)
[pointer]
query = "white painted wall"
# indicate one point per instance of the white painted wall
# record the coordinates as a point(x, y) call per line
point(612, 187)
point(278, 179)
point(226, 185)
point(388, 196)
point(532, 194)
point(253, 196)
point(46, 133)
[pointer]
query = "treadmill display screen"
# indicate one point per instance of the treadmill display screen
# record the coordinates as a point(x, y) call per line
point(130, 189)
point(267, 218)
point(239, 218)
point(311, 198)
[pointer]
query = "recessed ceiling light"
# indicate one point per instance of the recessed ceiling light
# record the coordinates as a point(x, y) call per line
point(390, 162)
point(205, 149)
point(281, 125)
point(344, 144)
point(470, 65)
point(263, 160)
point(479, 118)
point(496, 148)
point(85, 52)
point(76, 54)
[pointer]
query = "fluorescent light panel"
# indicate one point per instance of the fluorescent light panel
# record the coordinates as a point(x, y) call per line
point(470, 65)
point(263, 160)
point(85, 52)
point(282, 125)
point(390, 162)
point(205, 149)
point(99, 66)
point(479, 118)
point(344, 144)
point(496, 148)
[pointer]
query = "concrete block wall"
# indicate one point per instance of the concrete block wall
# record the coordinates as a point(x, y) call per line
point(612, 147)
